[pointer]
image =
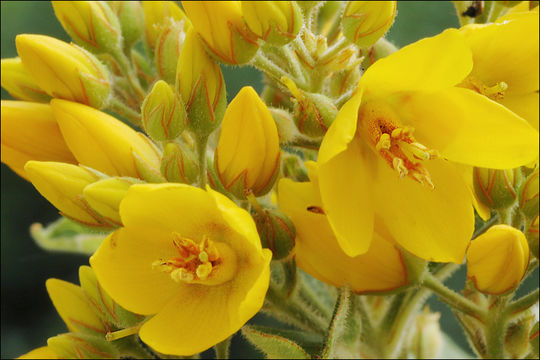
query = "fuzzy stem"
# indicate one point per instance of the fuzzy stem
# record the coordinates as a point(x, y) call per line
point(495, 329)
point(332, 51)
point(127, 70)
point(125, 111)
point(222, 348)
point(201, 150)
point(264, 64)
point(522, 303)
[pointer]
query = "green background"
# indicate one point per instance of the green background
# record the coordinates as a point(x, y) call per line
point(27, 315)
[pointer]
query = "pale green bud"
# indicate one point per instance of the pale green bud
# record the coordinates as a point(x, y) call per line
point(427, 341)
point(143, 68)
point(131, 18)
point(344, 81)
point(285, 125)
point(81, 346)
point(382, 48)
point(528, 195)
point(168, 46)
point(497, 189)
point(516, 341)
point(277, 232)
point(179, 164)
point(534, 339)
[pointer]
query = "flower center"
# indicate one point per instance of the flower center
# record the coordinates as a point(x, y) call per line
point(206, 263)
point(394, 142)
point(495, 92)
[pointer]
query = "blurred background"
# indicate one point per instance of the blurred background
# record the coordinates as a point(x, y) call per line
point(27, 315)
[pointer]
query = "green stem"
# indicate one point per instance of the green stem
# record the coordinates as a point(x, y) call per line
point(452, 298)
point(128, 72)
point(290, 274)
point(125, 111)
point(222, 348)
point(522, 303)
point(264, 64)
point(306, 293)
point(332, 51)
point(482, 229)
point(495, 329)
point(307, 143)
point(300, 47)
point(201, 150)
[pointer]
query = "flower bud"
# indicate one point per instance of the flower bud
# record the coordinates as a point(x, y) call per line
point(102, 142)
point(276, 22)
point(275, 97)
point(532, 236)
point(497, 188)
point(313, 113)
point(157, 15)
point(18, 82)
point(223, 30)
point(528, 195)
point(382, 48)
point(30, 132)
point(247, 156)
point(131, 18)
point(427, 341)
point(497, 259)
point(516, 340)
point(64, 71)
point(200, 82)
point(179, 164)
point(277, 232)
point(104, 196)
point(82, 346)
point(167, 50)
point(63, 184)
point(285, 125)
point(163, 113)
point(91, 24)
point(344, 81)
point(534, 339)
point(364, 22)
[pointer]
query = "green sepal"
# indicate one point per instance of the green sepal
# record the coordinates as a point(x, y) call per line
point(147, 173)
point(313, 114)
point(517, 338)
point(131, 18)
point(277, 232)
point(344, 81)
point(167, 51)
point(278, 37)
point(179, 164)
point(342, 330)
point(82, 346)
point(534, 340)
point(272, 345)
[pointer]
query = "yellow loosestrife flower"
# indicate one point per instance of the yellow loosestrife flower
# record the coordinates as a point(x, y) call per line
point(157, 15)
point(319, 253)
point(64, 70)
point(364, 22)
point(498, 259)
point(276, 22)
point(222, 29)
point(506, 70)
point(102, 142)
point(387, 151)
point(247, 156)
point(191, 257)
point(19, 84)
point(30, 132)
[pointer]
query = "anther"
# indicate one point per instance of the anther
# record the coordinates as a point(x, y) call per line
point(398, 165)
point(384, 142)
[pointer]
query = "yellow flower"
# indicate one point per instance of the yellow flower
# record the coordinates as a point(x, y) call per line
point(319, 253)
point(64, 71)
point(43, 352)
point(364, 22)
point(222, 29)
point(370, 161)
point(189, 256)
point(102, 142)
point(506, 70)
point(30, 132)
point(247, 155)
point(157, 15)
point(19, 84)
point(276, 22)
point(498, 259)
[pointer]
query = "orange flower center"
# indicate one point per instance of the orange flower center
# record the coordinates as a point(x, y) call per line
point(394, 142)
point(495, 92)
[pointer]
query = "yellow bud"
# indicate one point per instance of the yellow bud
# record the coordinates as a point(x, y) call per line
point(276, 22)
point(364, 22)
point(63, 184)
point(131, 18)
point(497, 189)
point(163, 113)
point(102, 142)
point(179, 164)
point(167, 50)
point(223, 30)
point(104, 196)
point(498, 259)
point(200, 82)
point(157, 15)
point(19, 84)
point(64, 71)
point(247, 156)
point(528, 196)
point(91, 24)
point(30, 132)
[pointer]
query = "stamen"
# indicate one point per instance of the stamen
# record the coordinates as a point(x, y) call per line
point(384, 142)
point(495, 92)
point(398, 165)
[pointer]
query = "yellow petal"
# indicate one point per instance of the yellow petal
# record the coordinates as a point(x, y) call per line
point(345, 186)
point(43, 352)
point(156, 16)
point(468, 128)
point(123, 266)
point(434, 224)
point(201, 316)
point(467, 173)
point(18, 82)
point(30, 132)
point(102, 142)
point(524, 105)
point(320, 255)
point(74, 308)
point(429, 64)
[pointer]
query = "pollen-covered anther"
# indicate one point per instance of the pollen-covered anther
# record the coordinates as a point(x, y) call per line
point(495, 92)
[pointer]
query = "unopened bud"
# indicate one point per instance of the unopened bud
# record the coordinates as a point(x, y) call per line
point(294, 168)
point(313, 113)
point(200, 82)
point(497, 259)
point(223, 30)
point(344, 81)
point(534, 339)
point(168, 46)
point(179, 164)
point(427, 341)
point(276, 22)
point(131, 18)
point(82, 346)
point(274, 96)
point(18, 82)
point(163, 113)
point(64, 70)
point(516, 341)
point(532, 236)
point(157, 15)
point(364, 22)
point(247, 156)
point(285, 125)
point(382, 48)
point(528, 195)
point(91, 24)
point(497, 188)
point(277, 232)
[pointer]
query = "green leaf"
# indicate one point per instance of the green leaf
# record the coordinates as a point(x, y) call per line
point(272, 345)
